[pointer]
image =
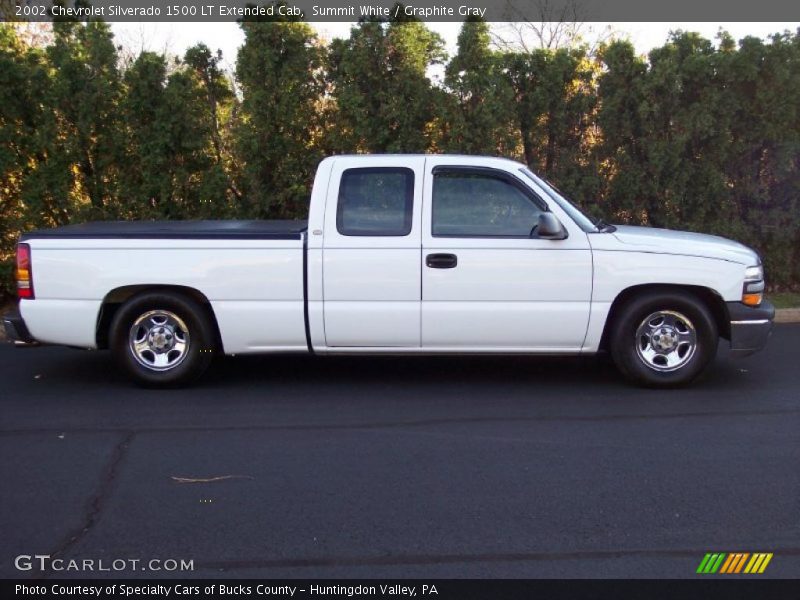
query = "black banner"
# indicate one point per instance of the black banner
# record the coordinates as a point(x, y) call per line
point(369, 589)
point(426, 10)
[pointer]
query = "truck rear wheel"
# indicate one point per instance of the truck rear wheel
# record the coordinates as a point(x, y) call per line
point(663, 339)
point(162, 339)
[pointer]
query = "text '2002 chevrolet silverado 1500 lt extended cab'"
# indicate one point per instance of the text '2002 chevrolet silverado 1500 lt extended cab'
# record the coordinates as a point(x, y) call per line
point(400, 254)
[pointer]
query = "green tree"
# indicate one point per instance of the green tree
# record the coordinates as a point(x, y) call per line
point(385, 100)
point(687, 138)
point(622, 152)
point(554, 105)
point(199, 186)
point(24, 128)
point(86, 90)
point(280, 71)
point(145, 179)
point(760, 83)
point(205, 66)
point(175, 155)
point(697, 135)
point(479, 115)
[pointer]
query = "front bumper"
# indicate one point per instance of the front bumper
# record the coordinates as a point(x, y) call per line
point(751, 326)
point(16, 330)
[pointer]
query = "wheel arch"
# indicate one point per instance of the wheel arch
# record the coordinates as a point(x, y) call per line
point(709, 297)
point(114, 299)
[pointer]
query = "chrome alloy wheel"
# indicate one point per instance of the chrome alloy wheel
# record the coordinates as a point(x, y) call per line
point(666, 341)
point(159, 340)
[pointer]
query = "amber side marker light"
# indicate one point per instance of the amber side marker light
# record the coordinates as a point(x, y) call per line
point(752, 299)
point(24, 272)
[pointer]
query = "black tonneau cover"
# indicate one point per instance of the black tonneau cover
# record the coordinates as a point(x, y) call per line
point(192, 230)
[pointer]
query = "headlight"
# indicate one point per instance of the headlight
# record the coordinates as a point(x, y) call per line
point(754, 273)
point(753, 290)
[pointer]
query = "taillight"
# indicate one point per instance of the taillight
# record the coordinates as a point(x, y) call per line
point(24, 274)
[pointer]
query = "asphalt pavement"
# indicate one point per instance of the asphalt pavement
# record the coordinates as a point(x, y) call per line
point(298, 466)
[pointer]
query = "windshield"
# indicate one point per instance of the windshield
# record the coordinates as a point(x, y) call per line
point(580, 219)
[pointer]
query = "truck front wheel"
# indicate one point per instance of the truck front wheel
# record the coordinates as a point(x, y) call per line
point(663, 339)
point(162, 339)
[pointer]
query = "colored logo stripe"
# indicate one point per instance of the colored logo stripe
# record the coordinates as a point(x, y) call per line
point(711, 563)
point(734, 562)
point(758, 563)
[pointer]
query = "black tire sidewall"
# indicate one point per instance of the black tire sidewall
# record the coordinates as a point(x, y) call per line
point(623, 346)
point(200, 352)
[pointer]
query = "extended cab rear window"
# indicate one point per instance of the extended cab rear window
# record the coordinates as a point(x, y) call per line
point(375, 201)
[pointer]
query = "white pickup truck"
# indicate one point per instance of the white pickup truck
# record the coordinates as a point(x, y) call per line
point(400, 254)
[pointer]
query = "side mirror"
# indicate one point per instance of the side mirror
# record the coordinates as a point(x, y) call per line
point(550, 228)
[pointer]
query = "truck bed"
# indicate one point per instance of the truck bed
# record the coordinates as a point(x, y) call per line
point(260, 230)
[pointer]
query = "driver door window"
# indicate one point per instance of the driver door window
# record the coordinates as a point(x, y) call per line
point(474, 204)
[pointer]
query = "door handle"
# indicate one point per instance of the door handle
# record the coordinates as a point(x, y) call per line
point(441, 261)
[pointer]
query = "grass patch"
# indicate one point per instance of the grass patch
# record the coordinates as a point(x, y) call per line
point(785, 299)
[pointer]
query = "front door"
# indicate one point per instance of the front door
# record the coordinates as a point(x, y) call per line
point(488, 283)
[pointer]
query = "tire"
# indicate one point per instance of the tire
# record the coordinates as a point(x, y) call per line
point(663, 339)
point(162, 339)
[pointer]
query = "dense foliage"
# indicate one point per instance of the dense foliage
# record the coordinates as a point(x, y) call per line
point(697, 135)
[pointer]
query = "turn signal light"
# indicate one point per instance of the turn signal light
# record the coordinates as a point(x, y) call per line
point(752, 299)
point(24, 272)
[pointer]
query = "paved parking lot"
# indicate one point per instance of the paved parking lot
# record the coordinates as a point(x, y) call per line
point(392, 467)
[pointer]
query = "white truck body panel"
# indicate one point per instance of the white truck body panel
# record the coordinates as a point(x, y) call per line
point(349, 293)
point(255, 287)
